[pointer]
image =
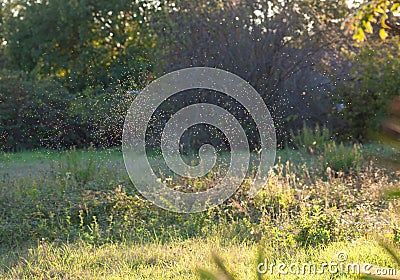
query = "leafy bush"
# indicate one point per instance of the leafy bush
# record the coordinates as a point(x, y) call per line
point(43, 114)
point(34, 114)
point(102, 112)
point(81, 171)
point(374, 84)
point(316, 227)
point(341, 157)
point(82, 50)
point(318, 141)
point(311, 140)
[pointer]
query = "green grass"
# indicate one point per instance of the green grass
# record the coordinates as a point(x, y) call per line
point(383, 155)
point(31, 163)
point(47, 156)
point(76, 215)
point(182, 260)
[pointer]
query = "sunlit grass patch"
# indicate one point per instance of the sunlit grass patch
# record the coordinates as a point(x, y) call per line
point(83, 218)
point(182, 259)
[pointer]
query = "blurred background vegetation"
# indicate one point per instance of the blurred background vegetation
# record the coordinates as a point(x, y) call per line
point(68, 68)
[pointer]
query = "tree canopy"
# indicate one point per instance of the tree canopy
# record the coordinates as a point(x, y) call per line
point(382, 14)
point(81, 42)
point(91, 54)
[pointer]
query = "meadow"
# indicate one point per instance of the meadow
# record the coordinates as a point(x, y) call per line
point(79, 76)
point(76, 215)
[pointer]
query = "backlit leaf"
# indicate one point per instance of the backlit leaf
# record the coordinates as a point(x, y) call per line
point(383, 23)
point(382, 34)
point(359, 35)
point(368, 27)
point(395, 8)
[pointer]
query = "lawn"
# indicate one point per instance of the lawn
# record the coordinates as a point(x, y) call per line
point(76, 215)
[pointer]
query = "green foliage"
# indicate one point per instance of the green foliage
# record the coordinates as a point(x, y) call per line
point(393, 253)
point(103, 113)
point(69, 84)
point(311, 140)
point(374, 85)
point(318, 142)
point(34, 114)
point(316, 227)
point(43, 114)
point(81, 171)
point(341, 157)
point(90, 44)
point(87, 196)
point(379, 13)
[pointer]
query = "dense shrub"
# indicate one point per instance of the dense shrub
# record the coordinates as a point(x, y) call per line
point(43, 113)
point(316, 227)
point(232, 37)
point(35, 114)
point(338, 157)
point(342, 158)
point(103, 113)
point(375, 82)
point(312, 140)
point(83, 48)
